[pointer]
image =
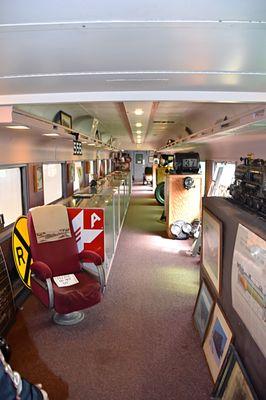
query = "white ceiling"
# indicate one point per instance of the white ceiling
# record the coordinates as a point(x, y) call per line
point(107, 58)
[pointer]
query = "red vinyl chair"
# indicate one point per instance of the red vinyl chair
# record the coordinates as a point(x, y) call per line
point(61, 257)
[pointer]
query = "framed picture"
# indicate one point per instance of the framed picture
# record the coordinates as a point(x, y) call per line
point(248, 283)
point(70, 172)
point(233, 381)
point(63, 119)
point(203, 309)
point(217, 341)
point(212, 248)
point(139, 158)
point(151, 159)
point(37, 178)
point(87, 167)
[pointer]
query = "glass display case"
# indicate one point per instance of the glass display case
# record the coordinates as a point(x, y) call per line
point(111, 194)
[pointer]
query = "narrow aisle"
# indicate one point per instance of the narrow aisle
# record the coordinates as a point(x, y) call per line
point(139, 343)
point(158, 290)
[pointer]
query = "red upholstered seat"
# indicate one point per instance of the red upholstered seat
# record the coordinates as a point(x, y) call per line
point(61, 258)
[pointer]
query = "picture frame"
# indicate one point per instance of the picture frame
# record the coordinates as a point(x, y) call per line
point(70, 172)
point(37, 178)
point(139, 158)
point(87, 167)
point(203, 309)
point(151, 158)
point(233, 381)
point(63, 119)
point(217, 341)
point(212, 248)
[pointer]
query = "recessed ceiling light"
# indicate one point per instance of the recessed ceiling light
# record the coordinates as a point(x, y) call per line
point(138, 124)
point(91, 144)
point(139, 111)
point(51, 134)
point(21, 127)
point(139, 132)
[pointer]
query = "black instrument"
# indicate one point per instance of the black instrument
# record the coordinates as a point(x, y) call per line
point(249, 187)
point(186, 163)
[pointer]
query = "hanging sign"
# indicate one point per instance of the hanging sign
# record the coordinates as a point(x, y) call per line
point(21, 249)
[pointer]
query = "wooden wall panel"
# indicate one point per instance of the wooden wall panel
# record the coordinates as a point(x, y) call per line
point(180, 203)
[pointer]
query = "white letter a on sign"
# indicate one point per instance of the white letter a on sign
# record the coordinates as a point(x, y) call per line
point(94, 218)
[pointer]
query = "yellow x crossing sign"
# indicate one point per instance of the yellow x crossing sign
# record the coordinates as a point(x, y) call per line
point(21, 249)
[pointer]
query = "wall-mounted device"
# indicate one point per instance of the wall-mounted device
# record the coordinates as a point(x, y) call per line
point(186, 163)
point(189, 182)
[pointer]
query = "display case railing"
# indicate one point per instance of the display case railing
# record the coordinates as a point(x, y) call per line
point(112, 195)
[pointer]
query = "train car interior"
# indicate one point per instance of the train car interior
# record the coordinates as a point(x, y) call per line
point(133, 200)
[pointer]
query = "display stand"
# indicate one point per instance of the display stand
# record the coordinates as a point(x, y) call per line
point(180, 203)
point(7, 308)
point(231, 215)
point(113, 197)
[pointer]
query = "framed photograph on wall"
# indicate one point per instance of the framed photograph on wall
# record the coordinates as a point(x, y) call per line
point(63, 119)
point(248, 283)
point(37, 178)
point(70, 172)
point(151, 159)
point(212, 248)
point(87, 167)
point(203, 309)
point(233, 381)
point(217, 341)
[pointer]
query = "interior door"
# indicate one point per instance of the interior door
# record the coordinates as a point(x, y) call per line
point(139, 166)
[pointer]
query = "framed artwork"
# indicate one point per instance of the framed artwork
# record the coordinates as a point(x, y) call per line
point(139, 158)
point(212, 248)
point(63, 119)
point(151, 159)
point(87, 167)
point(233, 381)
point(70, 172)
point(203, 309)
point(37, 178)
point(248, 283)
point(217, 341)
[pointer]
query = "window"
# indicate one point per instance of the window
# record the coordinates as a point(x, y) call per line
point(105, 167)
point(10, 194)
point(78, 175)
point(202, 171)
point(223, 176)
point(91, 176)
point(52, 182)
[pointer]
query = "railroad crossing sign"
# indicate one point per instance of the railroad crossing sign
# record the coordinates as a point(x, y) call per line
point(21, 249)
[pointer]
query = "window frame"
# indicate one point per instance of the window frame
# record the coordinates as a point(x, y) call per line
point(24, 190)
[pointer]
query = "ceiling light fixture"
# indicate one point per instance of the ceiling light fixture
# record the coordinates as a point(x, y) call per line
point(51, 134)
point(91, 144)
point(139, 111)
point(138, 132)
point(20, 127)
point(138, 124)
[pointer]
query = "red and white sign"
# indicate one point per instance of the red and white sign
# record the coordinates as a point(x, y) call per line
point(88, 227)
